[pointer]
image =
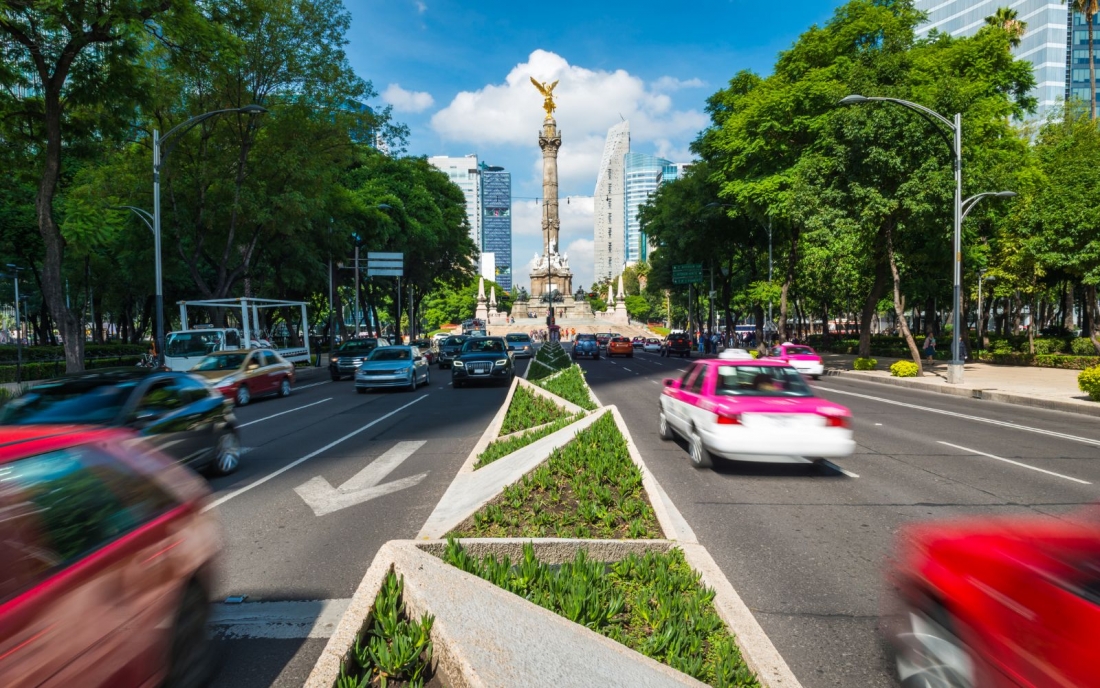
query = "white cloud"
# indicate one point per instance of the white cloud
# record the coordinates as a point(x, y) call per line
point(668, 84)
point(421, 8)
point(575, 215)
point(582, 259)
point(407, 101)
point(589, 102)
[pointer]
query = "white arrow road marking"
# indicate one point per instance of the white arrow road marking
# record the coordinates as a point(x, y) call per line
point(323, 498)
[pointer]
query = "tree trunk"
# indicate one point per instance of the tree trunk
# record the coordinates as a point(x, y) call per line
point(1067, 312)
point(1094, 315)
point(792, 261)
point(870, 306)
point(913, 350)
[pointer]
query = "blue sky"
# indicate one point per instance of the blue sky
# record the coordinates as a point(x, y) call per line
point(457, 75)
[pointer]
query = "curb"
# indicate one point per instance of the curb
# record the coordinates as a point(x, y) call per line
point(1082, 407)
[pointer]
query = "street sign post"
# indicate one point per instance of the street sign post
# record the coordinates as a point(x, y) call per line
point(688, 273)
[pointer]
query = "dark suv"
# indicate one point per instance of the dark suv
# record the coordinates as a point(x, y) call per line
point(450, 349)
point(350, 355)
point(586, 345)
point(676, 343)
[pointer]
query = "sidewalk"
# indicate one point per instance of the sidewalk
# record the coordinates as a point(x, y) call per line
point(1049, 388)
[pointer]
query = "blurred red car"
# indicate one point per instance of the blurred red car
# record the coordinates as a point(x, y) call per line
point(997, 602)
point(106, 561)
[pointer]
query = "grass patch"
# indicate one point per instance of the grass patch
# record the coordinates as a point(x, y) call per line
point(550, 359)
point(587, 489)
point(528, 410)
point(501, 448)
point(394, 649)
point(570, 385)
point(653, 604)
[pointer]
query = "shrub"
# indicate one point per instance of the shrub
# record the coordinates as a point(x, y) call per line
point(570, 385)
point(904, 369)
point(755, 353)
point(1049, 346)
point(1082, 346)
point(528, 410)
point(864, 364)
point(1089, 381)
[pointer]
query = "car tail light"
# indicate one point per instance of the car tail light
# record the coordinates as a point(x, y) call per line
point(730, 419)
point(838, 422)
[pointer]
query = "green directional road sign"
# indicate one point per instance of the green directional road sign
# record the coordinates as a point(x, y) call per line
point(689, 273)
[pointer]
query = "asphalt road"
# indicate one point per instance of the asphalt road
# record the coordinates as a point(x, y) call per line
point(276, 546)
point(805, 546)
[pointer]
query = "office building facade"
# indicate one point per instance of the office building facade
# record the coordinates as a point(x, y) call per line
point(1056, 48)
point(642, 174)
point(496, 222)
point(465, 173)
point(609, 232)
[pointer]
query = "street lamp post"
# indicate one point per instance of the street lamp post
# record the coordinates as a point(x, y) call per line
point(158, 161)
point(18, 325)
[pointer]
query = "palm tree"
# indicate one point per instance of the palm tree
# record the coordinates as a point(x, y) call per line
point(1088, 8)
point(1005, 19)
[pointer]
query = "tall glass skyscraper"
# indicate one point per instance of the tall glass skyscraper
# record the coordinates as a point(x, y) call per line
point(1057, 50)
point(609, 230)
point(496, 223)
point(464, 172)
point(642, 174)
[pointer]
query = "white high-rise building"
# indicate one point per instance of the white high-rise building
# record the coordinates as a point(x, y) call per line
point(1045, 43)
point(609, 235)
point(465, 172)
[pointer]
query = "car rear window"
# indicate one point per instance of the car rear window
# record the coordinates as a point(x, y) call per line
point(621, 340)
point(358, 345)
point(800, 351)
point(586, 337)
point(454, 341)
point(77, 401)
point(761, 381)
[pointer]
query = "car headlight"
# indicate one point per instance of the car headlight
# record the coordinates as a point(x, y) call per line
point(502, 362)
point(335, 359)
point(459, 364)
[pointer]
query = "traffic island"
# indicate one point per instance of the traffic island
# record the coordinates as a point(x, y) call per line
point(656, 609)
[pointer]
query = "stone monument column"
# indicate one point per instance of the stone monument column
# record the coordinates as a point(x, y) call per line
point(550, 142)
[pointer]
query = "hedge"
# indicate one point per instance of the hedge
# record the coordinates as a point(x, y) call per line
point(40, 370)
point(1041, 360)
point(9, 352)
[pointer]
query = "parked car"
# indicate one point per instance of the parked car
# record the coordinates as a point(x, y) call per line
point(176, 413)
point(450, 348)
point(427, 349)
point(585, 345)
point(392, 366)
point(638, 342)
point(108, 562)
point(803, 358)
point(996, 601)
point(652, 346)
point(245, 374)
point(346, 359)
point(483, 359)
point(520, 344)
point(754, 410)
point(676, 343)
point(603, 338)
point(620, 346)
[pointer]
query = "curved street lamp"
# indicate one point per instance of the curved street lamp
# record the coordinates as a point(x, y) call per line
point(158, 161)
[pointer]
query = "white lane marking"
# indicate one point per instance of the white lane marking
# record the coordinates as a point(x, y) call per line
point(364, 486)
point(278, 620)
point(835, 467)
point(1015, 463)
point(313, 384)
point(627, 369)
point(307, 457)
point(281, 413)
point(991, 421)
point(655, 382)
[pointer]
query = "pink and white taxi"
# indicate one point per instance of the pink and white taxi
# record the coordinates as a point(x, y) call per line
point(801, 357)
point(752, 410)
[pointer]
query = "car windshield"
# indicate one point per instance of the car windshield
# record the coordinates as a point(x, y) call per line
point(76, 401)
point(221, 362)
point(761, 381)
point(358, 345)
point(484, 346)
point(390, 354)
point(800, 351)
point(517, 338)
point(454, 341)
point(180, 344)
point(422, 343)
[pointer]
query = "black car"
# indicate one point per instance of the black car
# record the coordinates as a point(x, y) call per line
point(585, 345)
point(177, 413)
point(450, 348)
point(350, 355)
point(676, 343)
point(482, 359)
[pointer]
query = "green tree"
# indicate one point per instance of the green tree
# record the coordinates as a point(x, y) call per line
point(1005, 20)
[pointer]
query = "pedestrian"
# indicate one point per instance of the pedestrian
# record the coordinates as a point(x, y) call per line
point(930, 347)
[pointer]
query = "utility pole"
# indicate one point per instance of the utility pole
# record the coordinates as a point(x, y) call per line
point(355, 332)
point(18, 325)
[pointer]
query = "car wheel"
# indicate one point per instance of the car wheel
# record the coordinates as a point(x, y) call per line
point(427, 377)
point(664, 430)
point(284, 387)
point(243, 395)
point(227, 456)
point(456, 384)
point(816, 377)
point(930, 654)
point(411, 387)
point(700, 457)
point(189, 663)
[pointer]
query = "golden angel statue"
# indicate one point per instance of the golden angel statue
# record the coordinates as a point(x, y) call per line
point(548, 96)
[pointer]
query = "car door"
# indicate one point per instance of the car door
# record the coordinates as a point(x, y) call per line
point(255, 375)
point(165, 420)
point(692, 395)
point(273, 370)
point(677, 409)
point(418, 364)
